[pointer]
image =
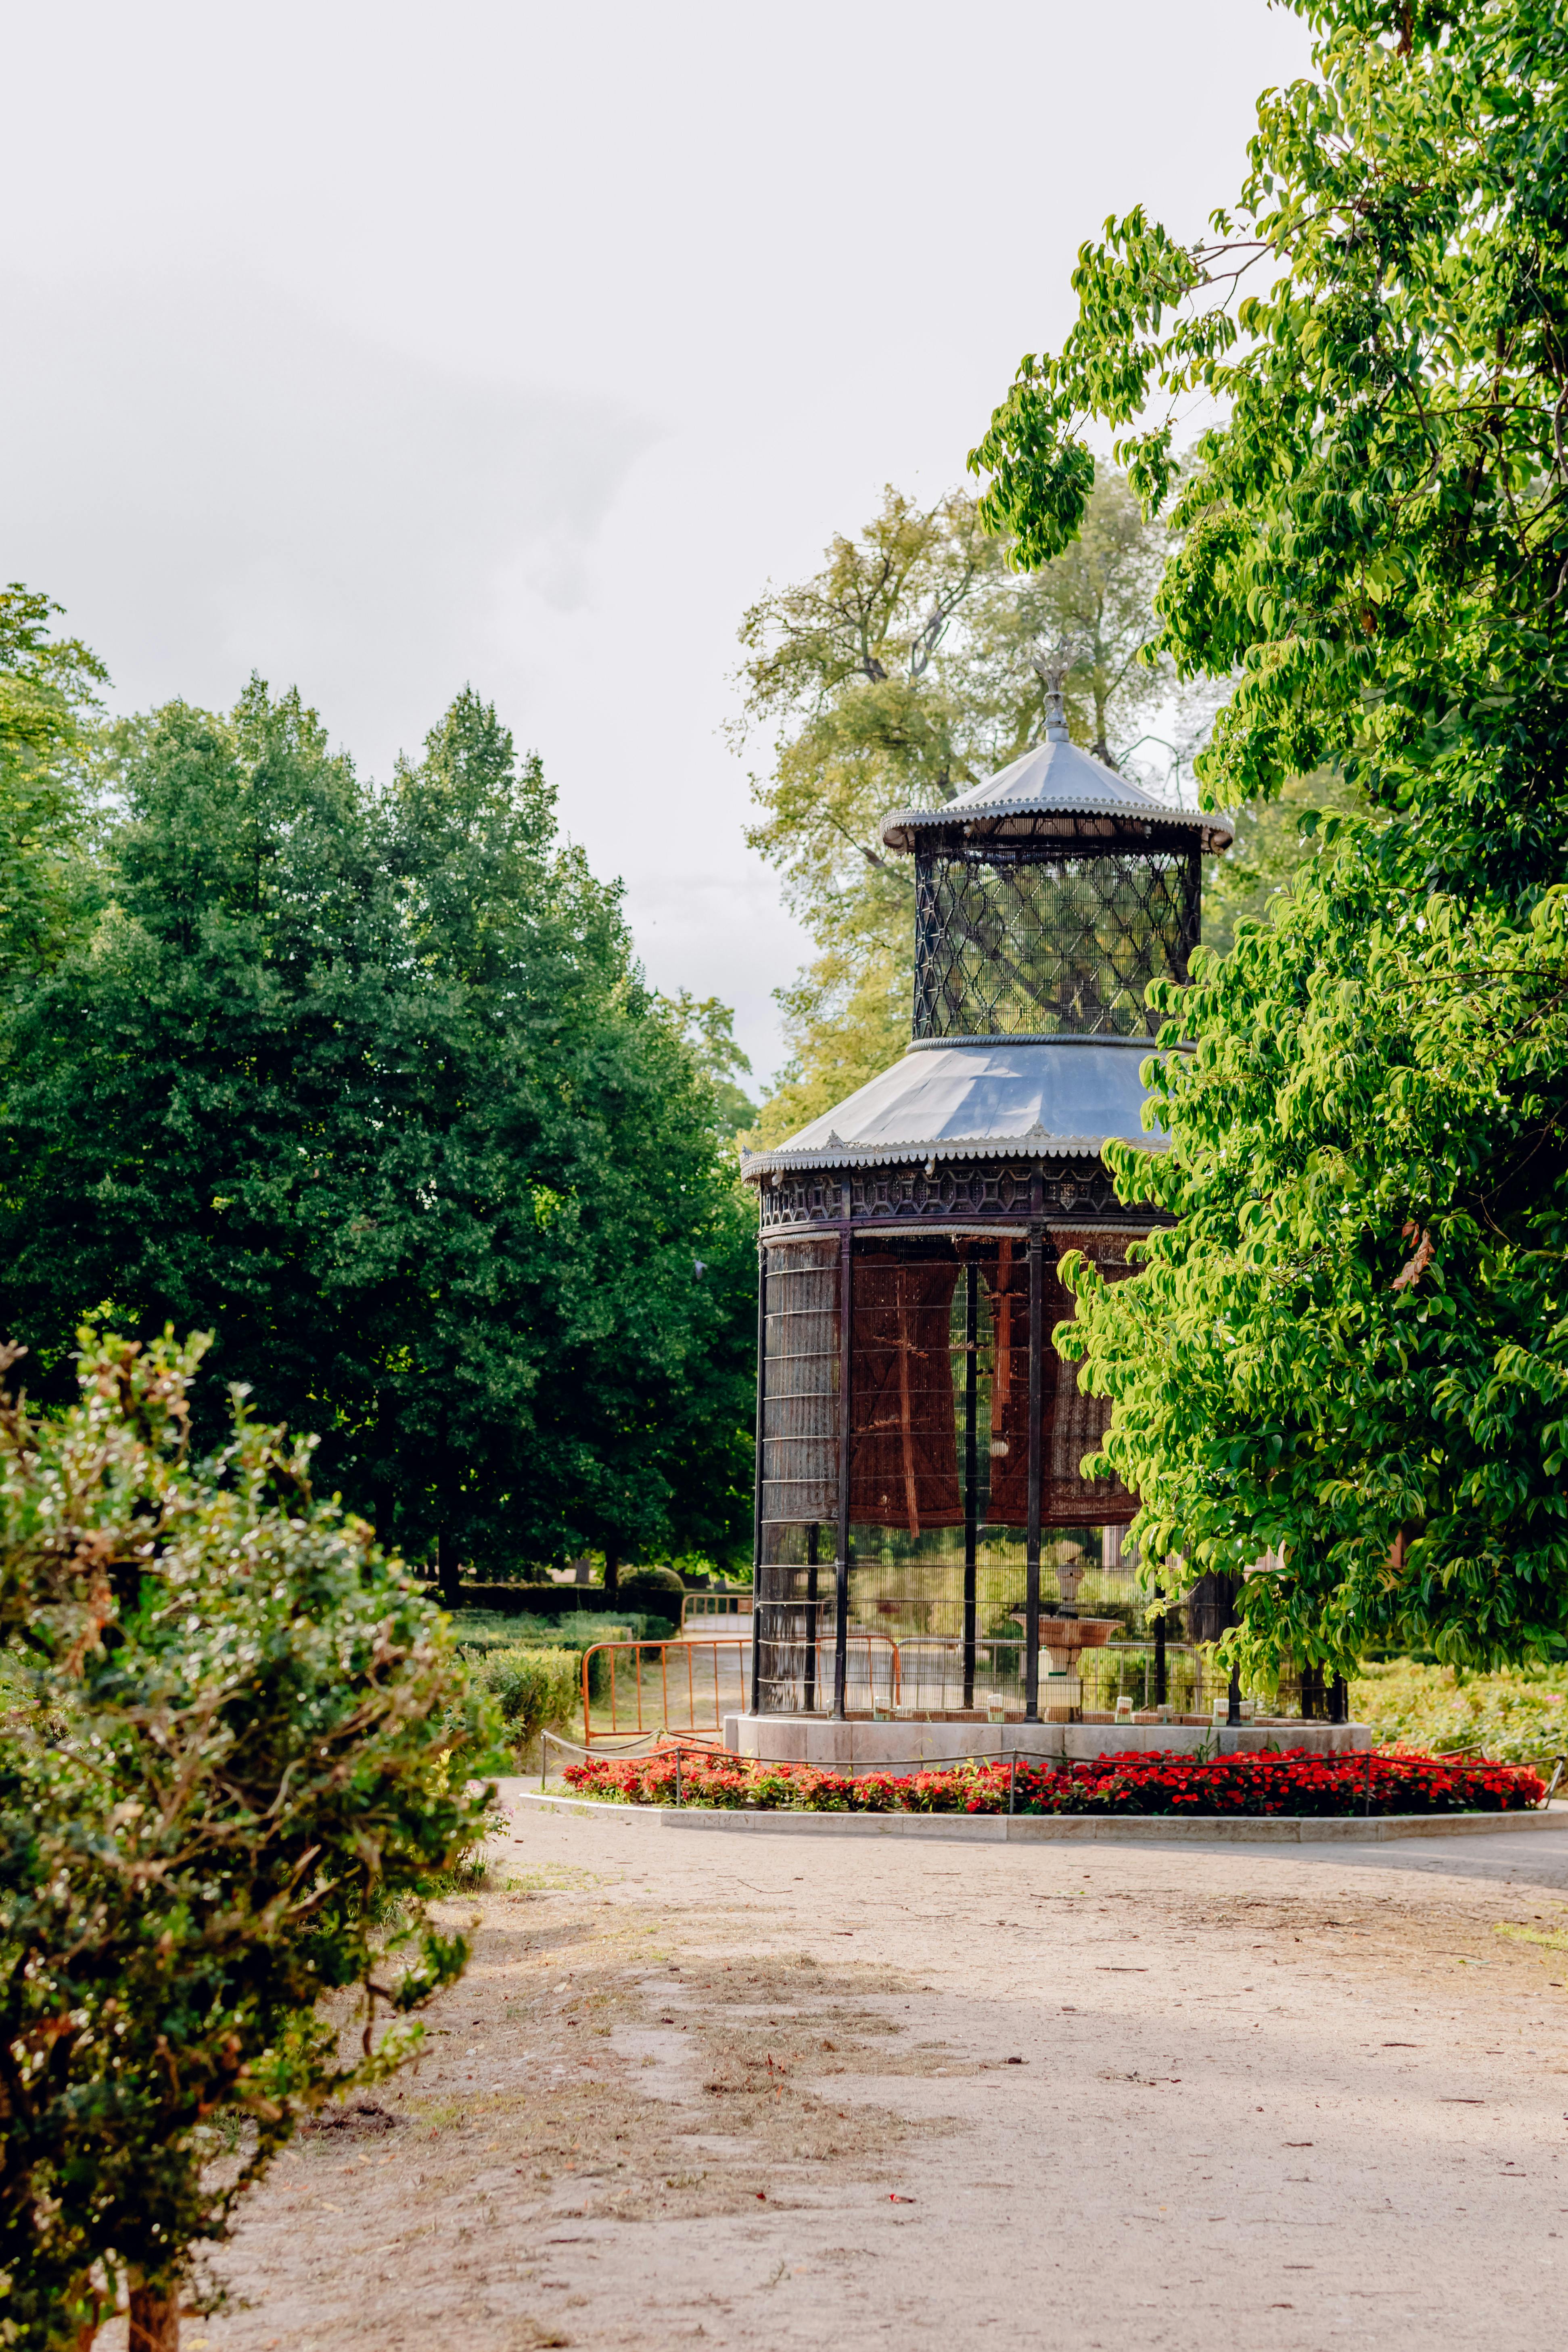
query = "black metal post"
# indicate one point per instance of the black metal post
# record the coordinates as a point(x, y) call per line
point(1032, 1534)
point(1339, 1700)
point(1233, 1701)
point(927, 938)
point(971, 1472)
point(762, 1446)
point(811, 1619)
point(845, 1383)
point(1161, 1690)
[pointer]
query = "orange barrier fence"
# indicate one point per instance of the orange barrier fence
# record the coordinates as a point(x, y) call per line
point(648, 1690)
point(691, 1685)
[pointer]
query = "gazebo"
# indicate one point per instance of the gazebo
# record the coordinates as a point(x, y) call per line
point(919, 1439)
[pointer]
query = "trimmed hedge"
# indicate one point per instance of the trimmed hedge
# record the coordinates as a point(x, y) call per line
point(656, 1582)
point(559, 1600)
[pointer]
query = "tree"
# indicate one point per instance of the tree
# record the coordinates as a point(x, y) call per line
point(707, 1028)
point(903, 673)
point(1350, 1345)
point(369, 1086)
point(48, 688)
point(1242, 884)
point(572, 1379)
point(224, 1796)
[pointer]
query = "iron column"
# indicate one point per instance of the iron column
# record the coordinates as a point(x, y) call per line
point(845, 1379)
point(1032, 1537)
point(971, 1472)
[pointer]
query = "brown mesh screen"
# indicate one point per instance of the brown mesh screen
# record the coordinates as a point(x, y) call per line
point(903, 1459)
point(1071, 1425)
point(800, 1394)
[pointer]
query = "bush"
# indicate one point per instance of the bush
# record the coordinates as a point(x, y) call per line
point(1519, 1715)
point(226, 1763)
point(645, 1587)
point(534, 1689)
point(569, 1637)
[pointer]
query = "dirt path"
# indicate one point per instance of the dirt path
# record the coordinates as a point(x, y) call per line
point(769, 2092)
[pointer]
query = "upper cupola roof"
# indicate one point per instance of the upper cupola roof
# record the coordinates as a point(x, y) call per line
point(1055, 780)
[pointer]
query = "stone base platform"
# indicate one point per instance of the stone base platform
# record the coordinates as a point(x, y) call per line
point(1050, 1829)
point(861, 1745)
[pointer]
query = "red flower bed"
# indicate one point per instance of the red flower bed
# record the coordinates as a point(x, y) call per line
point(1295, 1781)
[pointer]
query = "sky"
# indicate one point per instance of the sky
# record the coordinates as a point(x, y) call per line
point(387, 349)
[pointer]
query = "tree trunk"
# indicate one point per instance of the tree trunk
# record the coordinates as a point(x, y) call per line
point(612, 1570)
point(447, 1569)
point(380, 1484)
point(154, 2321)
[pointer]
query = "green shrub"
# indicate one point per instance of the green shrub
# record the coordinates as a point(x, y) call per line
point(566, 1638)
point(487, 1629)
point(647, 1586)
point(224, 1791)
point(585, 1628)
point(535, 1689)
point(1515, 1715)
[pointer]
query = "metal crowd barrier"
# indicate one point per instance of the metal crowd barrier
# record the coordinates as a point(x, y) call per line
point(703, 1686)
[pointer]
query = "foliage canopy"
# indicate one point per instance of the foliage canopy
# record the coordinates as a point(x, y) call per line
point(368, 1084)
point(1352, 1343)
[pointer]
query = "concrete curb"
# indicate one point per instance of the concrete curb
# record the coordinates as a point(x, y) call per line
point(1033, 1828)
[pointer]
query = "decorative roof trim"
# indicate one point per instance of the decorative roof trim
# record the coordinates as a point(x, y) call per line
point(1034, 1144)
point(1039, 1037)
point(1145, 810)
point(959, 815)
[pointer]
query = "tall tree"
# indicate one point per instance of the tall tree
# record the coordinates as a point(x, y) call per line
point(1350, 1346)
point(370, 1087)
point(1273, 840)
point(902, 673)
point(706, 1027)
point(48, 689)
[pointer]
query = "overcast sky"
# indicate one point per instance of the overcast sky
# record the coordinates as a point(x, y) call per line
point(384, 348)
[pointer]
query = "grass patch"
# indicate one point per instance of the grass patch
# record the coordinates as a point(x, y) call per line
point(552, 1878)
point(1551, 1937)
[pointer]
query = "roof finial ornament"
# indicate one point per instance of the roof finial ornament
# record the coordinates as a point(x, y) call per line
point(1052, 663)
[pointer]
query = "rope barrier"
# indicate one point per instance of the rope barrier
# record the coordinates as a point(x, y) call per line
point(665, 1741)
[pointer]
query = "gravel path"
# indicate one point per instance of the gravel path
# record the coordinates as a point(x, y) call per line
point(775, 2093)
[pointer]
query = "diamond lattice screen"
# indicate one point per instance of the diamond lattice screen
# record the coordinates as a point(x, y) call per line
point(1008, 941)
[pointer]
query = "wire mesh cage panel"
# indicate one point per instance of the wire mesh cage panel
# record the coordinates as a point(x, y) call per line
point(800, 1387)
point(799, 1468)
point(1073, 1422)
point(1014, 937)
point(903, 1450)
point(938, 1453)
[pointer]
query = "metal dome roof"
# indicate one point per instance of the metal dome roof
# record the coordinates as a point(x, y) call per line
point(967, 1098)
point(1056, 779)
